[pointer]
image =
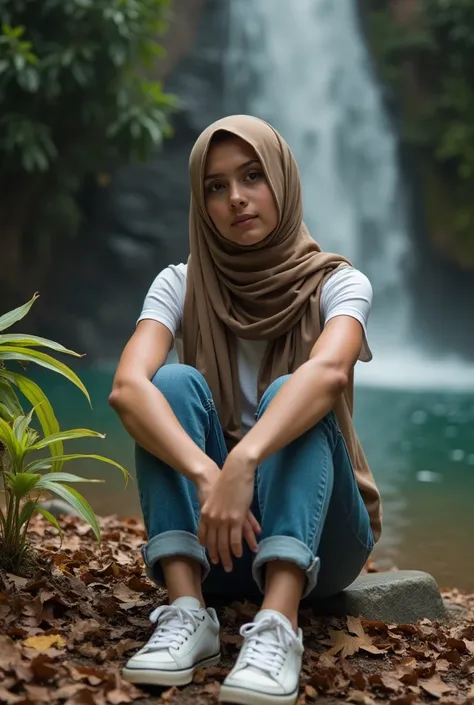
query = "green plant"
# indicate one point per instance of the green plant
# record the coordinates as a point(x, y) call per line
point(23, 483)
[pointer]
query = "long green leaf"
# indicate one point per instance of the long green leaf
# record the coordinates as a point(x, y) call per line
point(51, 518)
point(8, 398)
point(20, 425)
point(44, 410)
point(40, 464)
point(26, 511)
point(64, 477)
point(9, 440)
point(8, 352)
point(5, 413)
point(35, 341)
point(77, 501)
point(11, 317)
point(66, 436)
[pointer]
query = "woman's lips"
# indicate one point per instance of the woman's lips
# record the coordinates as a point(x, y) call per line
point(243, 224)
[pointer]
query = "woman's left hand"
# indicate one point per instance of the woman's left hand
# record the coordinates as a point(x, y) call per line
point(225, 513)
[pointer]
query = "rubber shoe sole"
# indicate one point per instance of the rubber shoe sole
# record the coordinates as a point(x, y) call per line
point(155, 676)
point(243, 696)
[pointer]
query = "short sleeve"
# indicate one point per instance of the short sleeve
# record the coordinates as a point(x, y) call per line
point(164, 301)
point(348, 292)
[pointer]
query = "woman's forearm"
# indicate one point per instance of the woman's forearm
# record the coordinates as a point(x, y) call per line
point(300, 403)
point(149, 419)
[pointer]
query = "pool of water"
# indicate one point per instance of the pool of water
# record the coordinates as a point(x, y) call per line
point(420, 446)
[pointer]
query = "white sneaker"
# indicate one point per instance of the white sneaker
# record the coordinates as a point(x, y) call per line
point(268, 667)
point(186, 638)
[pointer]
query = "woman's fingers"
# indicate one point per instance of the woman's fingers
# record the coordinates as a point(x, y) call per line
point(236, 540)
point(223, 541)
point(249, 535)
point(254, 523)
point(201, 532)
point(211, 544)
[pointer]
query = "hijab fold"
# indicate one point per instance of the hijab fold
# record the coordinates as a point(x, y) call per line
point(269, 291)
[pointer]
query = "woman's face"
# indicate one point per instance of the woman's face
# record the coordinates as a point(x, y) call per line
point(238, 198)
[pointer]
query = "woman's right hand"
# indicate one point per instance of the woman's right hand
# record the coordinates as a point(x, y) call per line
point(204, 486)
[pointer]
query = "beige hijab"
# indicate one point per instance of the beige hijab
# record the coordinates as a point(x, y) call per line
point(267, 291)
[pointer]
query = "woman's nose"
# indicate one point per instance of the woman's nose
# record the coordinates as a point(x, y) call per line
point(236, 197)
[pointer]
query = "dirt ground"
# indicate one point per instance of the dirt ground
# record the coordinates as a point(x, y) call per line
point(66, 632)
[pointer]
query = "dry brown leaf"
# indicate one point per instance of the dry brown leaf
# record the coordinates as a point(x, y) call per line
point(85, 696)
point(168, 694)
point(386, 681)
point(435, 686)
point(140, 585)
point(44, 642)
point(10, 656)
point(357, 696)
point(43, 668)
point(212, 688)
point(310, 692)
point(7, 697)
point(347, 644)
point(407, 699)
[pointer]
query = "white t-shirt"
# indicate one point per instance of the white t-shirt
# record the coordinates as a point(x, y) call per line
point(347, 293)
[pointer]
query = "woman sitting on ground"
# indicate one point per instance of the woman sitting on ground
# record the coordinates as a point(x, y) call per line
point(248, 467)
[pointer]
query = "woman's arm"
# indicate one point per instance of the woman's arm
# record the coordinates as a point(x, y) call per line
point(300, 403)
point(149, 419)
point(143, 409)
point(309, 394)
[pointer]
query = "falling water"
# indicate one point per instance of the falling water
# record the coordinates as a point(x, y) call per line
point(305, 68)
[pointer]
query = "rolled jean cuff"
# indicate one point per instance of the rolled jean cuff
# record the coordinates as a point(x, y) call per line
point(168, 544)
point(286, 548)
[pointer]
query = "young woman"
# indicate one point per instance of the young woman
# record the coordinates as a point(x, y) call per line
point(248, 466)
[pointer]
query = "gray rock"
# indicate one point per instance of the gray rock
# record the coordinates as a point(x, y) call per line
point(397, 596)
point(58, 507)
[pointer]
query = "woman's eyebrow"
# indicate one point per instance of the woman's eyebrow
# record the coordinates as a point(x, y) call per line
point(242, 166)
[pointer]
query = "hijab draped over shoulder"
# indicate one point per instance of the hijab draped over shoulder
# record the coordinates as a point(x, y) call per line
point(268, 291)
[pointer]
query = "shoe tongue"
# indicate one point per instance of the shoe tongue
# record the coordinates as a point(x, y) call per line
point(265, 614)
point(187, 603)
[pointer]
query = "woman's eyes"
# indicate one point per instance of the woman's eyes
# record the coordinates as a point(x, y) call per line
point(218, 186)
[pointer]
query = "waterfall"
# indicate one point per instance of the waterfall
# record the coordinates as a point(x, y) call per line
point(304, 67)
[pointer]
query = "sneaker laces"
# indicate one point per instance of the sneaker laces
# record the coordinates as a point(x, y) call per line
point(266, 644)
point(174, 626)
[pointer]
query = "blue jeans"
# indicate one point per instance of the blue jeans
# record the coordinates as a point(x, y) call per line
point(306, 499)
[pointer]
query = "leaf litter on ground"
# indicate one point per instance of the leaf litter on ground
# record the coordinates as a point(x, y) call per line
point(66, 633)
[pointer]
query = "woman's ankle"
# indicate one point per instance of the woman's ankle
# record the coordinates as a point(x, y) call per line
point(182, 578)
point(284, 583)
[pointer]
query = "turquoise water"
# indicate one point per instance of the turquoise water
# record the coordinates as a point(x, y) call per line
point(420, 446)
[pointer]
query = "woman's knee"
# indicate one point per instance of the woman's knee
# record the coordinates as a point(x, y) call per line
point(179, 381)
point(270, 392)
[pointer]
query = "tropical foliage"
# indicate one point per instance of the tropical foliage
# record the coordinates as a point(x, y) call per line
point(25, 472)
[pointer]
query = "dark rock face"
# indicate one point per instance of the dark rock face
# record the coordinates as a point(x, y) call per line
point(139, 223)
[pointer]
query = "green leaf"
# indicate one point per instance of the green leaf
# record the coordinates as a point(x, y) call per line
point(20, 425)
point(8, 438)
point(22, 482)
point(66, 436)
point(65, 477)
point(8, 352)
point(5, 414)
point(77, 501)
point(26, 511)
point(8, 398)
point(8, 319)
point(52, 519)
point(40, 464)
point(44, 410)
point(33, 340)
